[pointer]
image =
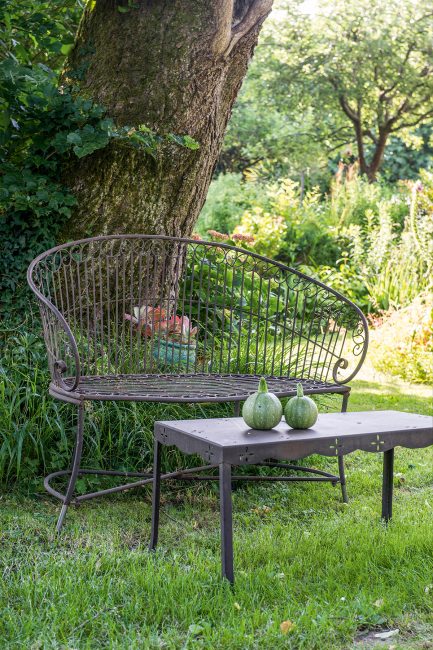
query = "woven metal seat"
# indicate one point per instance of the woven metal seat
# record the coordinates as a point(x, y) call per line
point(186, 388)
point(163, 319)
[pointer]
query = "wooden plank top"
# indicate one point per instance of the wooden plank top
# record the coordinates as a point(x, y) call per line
point(231, 440)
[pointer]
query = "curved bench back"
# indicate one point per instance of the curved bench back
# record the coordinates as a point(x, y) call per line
point(150, 304)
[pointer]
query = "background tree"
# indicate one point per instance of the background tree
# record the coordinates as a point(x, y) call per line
point(176, 68)
point(353, 73)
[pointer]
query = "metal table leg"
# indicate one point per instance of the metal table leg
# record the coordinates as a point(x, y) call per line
point(387, 484)
point(342, 478)
point(225, 472)
point(340, 457)
point(155, 494)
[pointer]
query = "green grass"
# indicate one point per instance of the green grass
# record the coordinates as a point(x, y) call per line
point(334, 570)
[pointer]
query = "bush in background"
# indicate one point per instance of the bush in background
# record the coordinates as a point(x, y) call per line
point(403, 344)
point(289, 226)
point(371, 242)
point(228, 198)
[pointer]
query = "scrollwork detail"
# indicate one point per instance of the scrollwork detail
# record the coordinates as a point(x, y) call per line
point(340, 364)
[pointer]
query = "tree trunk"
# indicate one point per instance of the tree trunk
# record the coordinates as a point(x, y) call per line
point(360, 146)
point(177, 68)
point(377, 158)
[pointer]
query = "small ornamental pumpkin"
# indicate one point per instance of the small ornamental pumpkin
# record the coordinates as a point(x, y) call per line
point(300, 412)
point(262, 410)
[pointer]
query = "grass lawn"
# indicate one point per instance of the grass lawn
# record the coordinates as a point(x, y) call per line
point(334, 571)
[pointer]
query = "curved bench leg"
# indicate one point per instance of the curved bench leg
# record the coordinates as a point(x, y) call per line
point(340, 458)
point(75, 468)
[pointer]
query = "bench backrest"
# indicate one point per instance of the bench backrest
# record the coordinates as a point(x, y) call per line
point(133, 304)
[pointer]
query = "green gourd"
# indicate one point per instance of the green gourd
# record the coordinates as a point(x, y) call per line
point(300, 412)
point(262, 410)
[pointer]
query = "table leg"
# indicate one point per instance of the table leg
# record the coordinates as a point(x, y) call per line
point(387, 484)
point(225, 476)
point(155, 494)
point(342, 478)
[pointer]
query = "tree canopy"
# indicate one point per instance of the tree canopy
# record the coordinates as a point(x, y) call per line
point(354, 73)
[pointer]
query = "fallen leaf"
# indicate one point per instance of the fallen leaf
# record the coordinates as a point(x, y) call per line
point(378, 602)
point(386, 635)
point(262, 510)
point(287, 626)
point(195, 629)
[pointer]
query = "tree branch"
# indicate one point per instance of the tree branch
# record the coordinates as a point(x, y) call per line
point(223, 17)
point(369, 133)
point(385, 91)
point(255, 15)
point(351, 114)
point(418, 120)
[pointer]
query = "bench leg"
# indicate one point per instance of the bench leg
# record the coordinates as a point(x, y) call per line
point(387, 484)
point(156, 493)
point(225, 476)
point(74, 470)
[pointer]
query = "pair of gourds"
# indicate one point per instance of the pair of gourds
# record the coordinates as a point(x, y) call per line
point(263, 410)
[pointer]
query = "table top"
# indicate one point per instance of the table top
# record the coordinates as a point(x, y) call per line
point(231, 440)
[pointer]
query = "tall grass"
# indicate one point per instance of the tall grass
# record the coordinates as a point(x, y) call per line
point(37, 432)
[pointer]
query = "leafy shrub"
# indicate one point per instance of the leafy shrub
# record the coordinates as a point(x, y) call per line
point(41, 128)
point(292, 228)
point(392, 262)
point(360, 239)
point(44, 127)
point(403, 344)
point(353, 197)
point(421, 218)
point(228, 197)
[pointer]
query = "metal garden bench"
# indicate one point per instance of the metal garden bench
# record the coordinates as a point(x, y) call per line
point(162, 319)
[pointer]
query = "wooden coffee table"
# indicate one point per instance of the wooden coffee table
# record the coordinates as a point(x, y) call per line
point(229, 442)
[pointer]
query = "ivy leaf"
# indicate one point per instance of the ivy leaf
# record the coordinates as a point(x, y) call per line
point(74, 138)
point(66, 48)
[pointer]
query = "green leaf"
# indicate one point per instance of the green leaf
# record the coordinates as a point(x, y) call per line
point(74, 138)
point(190, 143)
point(66, 48)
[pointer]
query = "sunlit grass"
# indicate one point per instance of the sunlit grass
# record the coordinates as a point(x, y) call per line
point(300, 555)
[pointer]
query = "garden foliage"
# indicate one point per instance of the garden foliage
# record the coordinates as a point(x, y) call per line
point(43, 125)
point(403, 344)
point(371, 242)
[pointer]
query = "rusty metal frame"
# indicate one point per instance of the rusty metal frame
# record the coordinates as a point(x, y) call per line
point(87, 292)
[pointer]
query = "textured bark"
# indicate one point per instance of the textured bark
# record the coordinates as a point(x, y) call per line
point(376, 161)
point(176, 67)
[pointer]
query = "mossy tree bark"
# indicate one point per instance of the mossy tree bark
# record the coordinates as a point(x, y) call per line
point(175, 67)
